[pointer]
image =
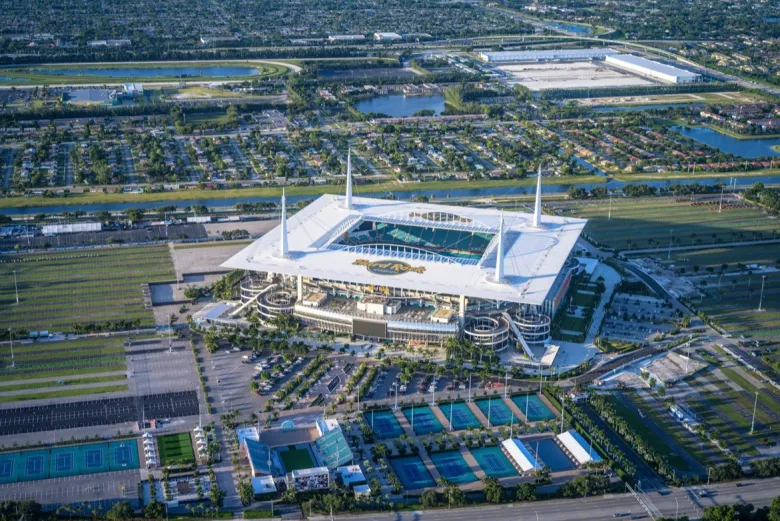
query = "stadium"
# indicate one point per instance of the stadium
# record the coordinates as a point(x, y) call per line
point(403, 271)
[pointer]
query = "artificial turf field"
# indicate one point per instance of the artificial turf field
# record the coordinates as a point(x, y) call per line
point(59, 289)
point(296, 459)
point(175, 449)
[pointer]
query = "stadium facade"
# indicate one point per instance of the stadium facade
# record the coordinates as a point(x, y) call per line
point(388, 270)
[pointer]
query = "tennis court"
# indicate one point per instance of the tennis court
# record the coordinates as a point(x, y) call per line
point(412, 472)
point(552, 455)
point(494, 462)
point(296, 458)
point(460, 416)
point(453, 467)
point(496, 411)
point(384, 424)
point(422, 420)
point(175, 449)
point(533, 408)
point(73, 460)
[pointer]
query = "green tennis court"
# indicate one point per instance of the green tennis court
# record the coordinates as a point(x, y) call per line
point(175, 449)
point(296, 459)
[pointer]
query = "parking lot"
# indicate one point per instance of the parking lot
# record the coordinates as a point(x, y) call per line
point(637, 318)
point(71, 489)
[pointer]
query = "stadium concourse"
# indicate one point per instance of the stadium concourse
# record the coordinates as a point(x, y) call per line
point(403, 271)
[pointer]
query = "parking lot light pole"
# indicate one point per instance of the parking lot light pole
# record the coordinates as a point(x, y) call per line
point(677, 510)
point(753, 423)
point(761, 300)
point(11, 337)
point(469, 387)
point(709, 471)
point(16, 288)
point(506, 382)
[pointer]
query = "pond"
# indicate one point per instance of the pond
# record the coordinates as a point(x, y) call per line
point(571, 28)
point(216, 71)
point(400, 106)
point(747, 148)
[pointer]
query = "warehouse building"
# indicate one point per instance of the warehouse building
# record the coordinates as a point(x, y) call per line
point(547, 55)
point(652, 69)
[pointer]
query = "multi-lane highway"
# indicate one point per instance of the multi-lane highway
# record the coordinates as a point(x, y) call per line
point(680, 502)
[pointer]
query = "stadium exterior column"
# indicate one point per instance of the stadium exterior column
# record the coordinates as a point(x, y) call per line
point(462, 312)
point(300, 288)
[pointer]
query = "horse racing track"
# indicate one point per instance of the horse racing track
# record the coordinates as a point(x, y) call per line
point(107, 411)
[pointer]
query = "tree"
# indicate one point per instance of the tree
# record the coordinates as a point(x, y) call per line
point(525, 492)
point(429, 499)
point(333, 502)
point(720, 513)
point(774, 510)
point(120, 511)
point(154, 510)
point(245, 492)
point(493, 491)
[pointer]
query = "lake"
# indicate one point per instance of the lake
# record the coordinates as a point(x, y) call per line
point(216, 71)
point(747, 148)
point(400, 106)
point(571, 28)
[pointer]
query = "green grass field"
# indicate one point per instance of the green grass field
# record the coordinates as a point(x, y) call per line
point(296, 459)
point(65, 366)
point(735, 307)
point(646, 223)
point(175, 449)
point(59, 289)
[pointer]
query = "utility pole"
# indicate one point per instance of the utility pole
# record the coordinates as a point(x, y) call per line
point(16, 288)
point(720, 206)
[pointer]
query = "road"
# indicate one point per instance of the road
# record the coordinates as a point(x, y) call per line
point(684, 501)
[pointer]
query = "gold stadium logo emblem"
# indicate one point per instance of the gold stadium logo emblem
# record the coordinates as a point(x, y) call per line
point(388, 267)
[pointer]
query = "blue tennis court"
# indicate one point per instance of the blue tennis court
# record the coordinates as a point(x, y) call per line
point(33, 465)
point(459, 416)
point(494, 462)
point(412, 472)
point(123, 455)
point(8, 467)
point(63, 462)
point(496, 411)
point(384, 424)
point(453, 467)
point(533, 408)
point(552, 455)
point(422, 420)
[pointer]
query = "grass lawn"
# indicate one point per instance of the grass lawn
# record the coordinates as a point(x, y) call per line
point(648, 223)
point(175, 449)
point(767, 396)
point(59, 289)
point(70, 382)
point(639, 425)
point(296, 459)
point(62, 359)
point(61, 393)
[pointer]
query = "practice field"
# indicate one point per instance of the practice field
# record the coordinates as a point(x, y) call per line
point(62, 363)
point(412, 472)
point(650, 223)
point(422, 420)
point(384, 424)
point(493, 461)
point(460, 416)
point(71, 460)
point(60, 289)
point(296, 459)
point(453, 467)
point(731, 299)
point(175, 449)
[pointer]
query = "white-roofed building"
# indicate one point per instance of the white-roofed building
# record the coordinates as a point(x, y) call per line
point(387, 37)
point(56, 229)
point(578, 448)
point(486, 266)
point(351, 475)
point(546, 55)
point(653, 69)
point(522, 457)
point(263, 485)
point(309, 479)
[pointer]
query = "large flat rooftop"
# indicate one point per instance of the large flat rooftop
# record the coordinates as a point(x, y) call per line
point(533, 257)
